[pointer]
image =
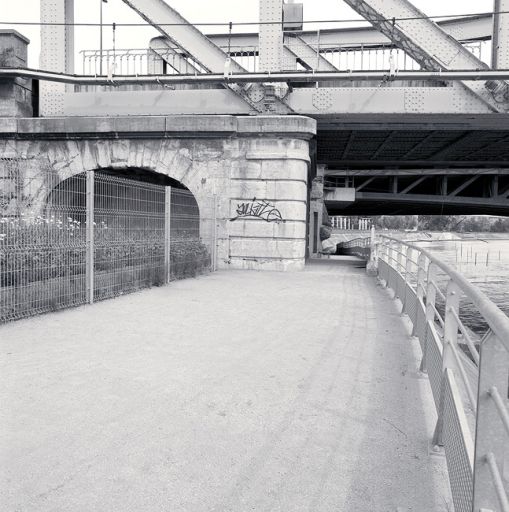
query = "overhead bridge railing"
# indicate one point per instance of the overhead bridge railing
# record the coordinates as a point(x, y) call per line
point(364, 57)
point(468, 372)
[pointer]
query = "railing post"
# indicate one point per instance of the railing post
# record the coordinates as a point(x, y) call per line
point(167, 234)
point(89, 257)
point(372, 265)
point(431, 294)
point(421, 278)
point(409, 253)
point(399, 249)
point(452, 303)
point(491, 436)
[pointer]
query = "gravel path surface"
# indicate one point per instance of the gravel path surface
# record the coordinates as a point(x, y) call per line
point(238, 391)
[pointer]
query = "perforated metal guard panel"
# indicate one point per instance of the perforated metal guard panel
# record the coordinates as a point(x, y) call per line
point(382, 270)
point(458, 462)
point(420, 325)
point(434, 362)
point(400, 286)
point(410, 303)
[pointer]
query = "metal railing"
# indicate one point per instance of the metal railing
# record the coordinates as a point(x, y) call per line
point(93, 236)
point(161, 60)
point(469, 375)
point(170, 60)
point(350, 223)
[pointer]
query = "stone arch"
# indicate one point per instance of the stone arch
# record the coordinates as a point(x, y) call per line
point(166, 159)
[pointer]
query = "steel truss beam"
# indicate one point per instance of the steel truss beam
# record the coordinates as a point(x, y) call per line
point(209, 56)
point(423, 172)
point(164, 49)
point(428, 44)
point(380, 192)
point(304, 52)
point(473, 28)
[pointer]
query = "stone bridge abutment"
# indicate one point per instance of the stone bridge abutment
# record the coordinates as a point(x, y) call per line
point(256, 167)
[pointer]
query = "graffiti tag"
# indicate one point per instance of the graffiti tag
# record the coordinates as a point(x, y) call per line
point(260, 209)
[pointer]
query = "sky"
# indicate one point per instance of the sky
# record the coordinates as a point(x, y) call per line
point(194, 11)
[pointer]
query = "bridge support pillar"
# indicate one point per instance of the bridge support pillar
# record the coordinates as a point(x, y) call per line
point(256, 167)
point(57, 52)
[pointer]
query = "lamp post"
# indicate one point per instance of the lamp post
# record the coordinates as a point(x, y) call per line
point(101, 35)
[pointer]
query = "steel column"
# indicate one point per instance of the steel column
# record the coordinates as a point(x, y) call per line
point(271, 35)
point(500, 47)
point(57, 52)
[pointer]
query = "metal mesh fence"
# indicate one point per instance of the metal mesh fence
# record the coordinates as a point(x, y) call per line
point(42, 242)
point(129, 219)
point(459, 460)
point(93, 236)
point(192, 247)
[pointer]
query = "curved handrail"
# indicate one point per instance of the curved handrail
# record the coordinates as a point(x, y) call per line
point(488, 412)
point(496, 319)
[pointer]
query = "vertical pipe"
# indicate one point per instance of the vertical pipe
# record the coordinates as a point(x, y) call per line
point(90, 200)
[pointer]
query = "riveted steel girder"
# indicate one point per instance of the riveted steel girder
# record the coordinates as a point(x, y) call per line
point(428, 44)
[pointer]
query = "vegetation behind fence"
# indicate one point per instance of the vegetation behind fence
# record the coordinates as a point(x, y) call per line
point(71, 244)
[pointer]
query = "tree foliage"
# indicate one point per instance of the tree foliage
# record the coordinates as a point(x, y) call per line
point(455, 223)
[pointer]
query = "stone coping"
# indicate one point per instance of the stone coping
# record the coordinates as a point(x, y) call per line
point(15, 33)
point(156, 126)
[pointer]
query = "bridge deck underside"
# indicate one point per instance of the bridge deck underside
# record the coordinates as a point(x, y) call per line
point(409, 148)
point(405, 166)
point(288, 391)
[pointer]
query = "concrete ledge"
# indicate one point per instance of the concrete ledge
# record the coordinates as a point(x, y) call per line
point(178, 126)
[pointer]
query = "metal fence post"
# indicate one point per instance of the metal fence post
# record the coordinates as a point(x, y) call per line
point(167, 234)
point(89, 267)
point(452, 303)
point(491, 434)
point(214, 264)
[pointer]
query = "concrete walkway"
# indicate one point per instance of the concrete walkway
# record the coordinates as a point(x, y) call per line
point(238, 391)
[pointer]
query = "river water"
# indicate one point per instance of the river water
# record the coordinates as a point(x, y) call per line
point(484, 261)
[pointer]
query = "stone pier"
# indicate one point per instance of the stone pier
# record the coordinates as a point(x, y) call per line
point(257, 167)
